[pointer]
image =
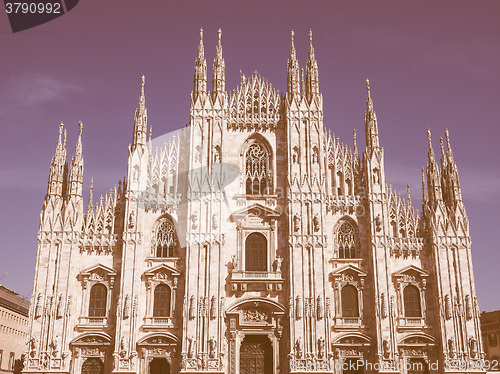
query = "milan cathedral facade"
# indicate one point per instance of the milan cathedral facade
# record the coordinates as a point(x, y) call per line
point(253, 241)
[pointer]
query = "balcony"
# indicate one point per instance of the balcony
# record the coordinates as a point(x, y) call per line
point(348, 322)
point(157, 323)
point(270, 280)
point(92, 323)
point(411, 322)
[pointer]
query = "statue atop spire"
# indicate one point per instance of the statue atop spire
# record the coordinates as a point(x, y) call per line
point(200, 70)
point(293, 71)
point(140, 119)
point(219, 70)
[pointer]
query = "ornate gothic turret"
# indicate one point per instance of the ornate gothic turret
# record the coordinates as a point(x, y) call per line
point(293, 71)
point(312, 82)
point(371, 126)
point(58, 167)
point(75, 181)
point(433, 176)
point(140, 121)
point(219, 71)
point(200, 71)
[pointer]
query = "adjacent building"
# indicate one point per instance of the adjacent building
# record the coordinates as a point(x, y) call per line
point(490, 326)
point(13, 329)
point(254, 241)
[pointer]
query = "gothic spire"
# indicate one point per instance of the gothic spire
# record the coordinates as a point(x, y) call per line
point(76, 170)
point(453, 181)
point(433, 174)
point(140, 120)
point(90, 206)
point(200, 70)
point(219, 70)
point(312, 82)
point(371, 126)
point(293, 73)
point(58, 166)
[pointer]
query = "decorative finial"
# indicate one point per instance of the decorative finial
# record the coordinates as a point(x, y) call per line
point(61, 127)
point(80, 125)
point(292, 34)
point(201, 35)
point(429, 137)
point(219, 34)
point(310, 36)
point(368, 86)
point(408, 189)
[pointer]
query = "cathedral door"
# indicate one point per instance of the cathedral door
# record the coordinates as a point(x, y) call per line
point(159, 366)
point(256, 355)
point(92, 366)
point(417, 366)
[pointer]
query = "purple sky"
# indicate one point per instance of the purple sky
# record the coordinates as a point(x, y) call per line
point(430, 63)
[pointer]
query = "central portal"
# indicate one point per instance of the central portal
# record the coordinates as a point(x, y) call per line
point(159, 366)
point(256, 355)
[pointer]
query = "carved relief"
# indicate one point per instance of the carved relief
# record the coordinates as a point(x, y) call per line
point(255, 315)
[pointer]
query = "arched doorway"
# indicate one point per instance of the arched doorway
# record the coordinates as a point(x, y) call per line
point(417, 366)
point(352, 366)
point(256, 355)
point(93, 365)
point(159, 366)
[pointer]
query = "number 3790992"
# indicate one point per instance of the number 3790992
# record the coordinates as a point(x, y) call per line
point(33, 7)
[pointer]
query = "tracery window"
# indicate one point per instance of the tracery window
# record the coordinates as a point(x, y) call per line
point(350, 304)
point(162, 299)
point(411, 296)
point(165, 240)
point(346, 240)
point(256, 252)
point(256, 169)
point(98, 300)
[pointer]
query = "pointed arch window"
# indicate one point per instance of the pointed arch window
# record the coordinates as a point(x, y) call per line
point(98, 300)
point(256, 252)
point(411, 295)
point(350, 302)
point(166, 239)
point(162, 301)
point(346, 240)
point(256, 169)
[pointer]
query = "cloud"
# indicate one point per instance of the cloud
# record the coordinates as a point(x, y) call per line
point(33, 89)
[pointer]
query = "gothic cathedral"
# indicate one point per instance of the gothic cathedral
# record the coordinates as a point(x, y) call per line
point(253, 241)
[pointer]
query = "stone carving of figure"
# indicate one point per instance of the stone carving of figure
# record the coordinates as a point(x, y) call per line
point(194, 220)
point(234, 262)
point(296, 222)
point(315, 155)
point(299, 348)
point(473, 348)
point(295, 156)
point(321, 347)
point(191, 343)
point(279, 260)
point(316, 222)
point(215, 221)
point(451, 348)
point(211, 344)
point(385, 345)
